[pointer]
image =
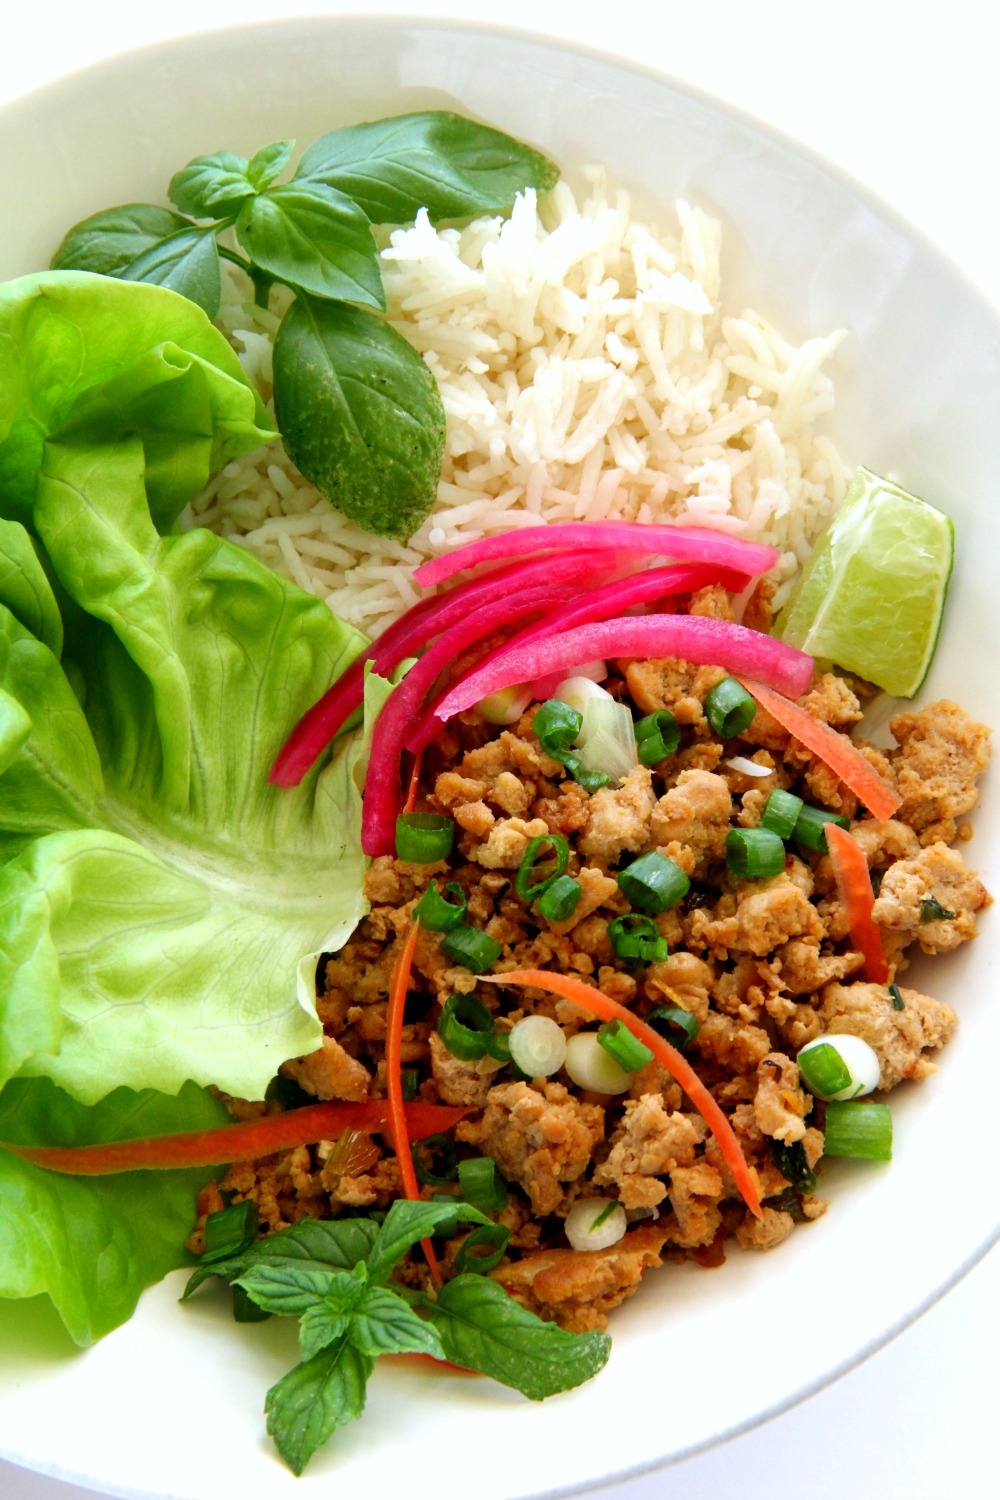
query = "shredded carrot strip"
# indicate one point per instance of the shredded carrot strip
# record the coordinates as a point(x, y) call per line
point(243, 1142)
point(394, 1080)
point(832, 747)
point(854, 885)
point(414, 785)
point(599, 1004)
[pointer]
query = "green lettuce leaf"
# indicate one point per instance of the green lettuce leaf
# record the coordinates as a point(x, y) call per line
point(161, 904)
point(91, 1244)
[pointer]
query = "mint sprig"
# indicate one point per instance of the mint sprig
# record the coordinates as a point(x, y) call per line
point(334, 1276)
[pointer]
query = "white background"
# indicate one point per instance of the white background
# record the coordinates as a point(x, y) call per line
point(905, 97)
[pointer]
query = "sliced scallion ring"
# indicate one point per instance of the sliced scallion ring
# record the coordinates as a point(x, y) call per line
point(559, 900)
point(657, 736)
point(437, 914)
point(483, 1250)
point(781, 813)
point(810, 827)
point(626, 1050)
point(653, 883)
point(860, 1128)
point(729, 708)
point(423, 838)
point(471, 948)
point(442, 1148)
point(529, 882)
point(465, 1027)
point(481, 1184)
point(229, 1231)
point(754, 853)
point(636, 938)
point(675, 1024)
point(538, 1046)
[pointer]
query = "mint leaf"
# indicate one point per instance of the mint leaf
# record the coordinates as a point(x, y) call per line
point(312, 237)
point(319, 1245)
point(382, 1323)
point(187, 263)
point(484, 1329)
point(313, 1400)
point(408, 1222)
point(453, 167)
point(209, 183)
point(360, 414)
point(289, 1289)
point(321, 1324)
point(268, 163)
point(107, 243)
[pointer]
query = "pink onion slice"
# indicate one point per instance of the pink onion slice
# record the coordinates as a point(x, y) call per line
point(686, 543)
point(406, 637)
point(598, 604)
point(382, 790)
point(693, 638)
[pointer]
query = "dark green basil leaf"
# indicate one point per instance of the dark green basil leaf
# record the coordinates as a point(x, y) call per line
point(360, 414)
point(316, 1398)
point(319, 1325)
point(323, 1244)
point(383, 1324)
point(289, 1288)
point(268, 163)
point(211, 183)
point(484, 1329)
point(406, 1223)
point(107, 243)
point(451, 166)
point(187, 262)
point(311, 236)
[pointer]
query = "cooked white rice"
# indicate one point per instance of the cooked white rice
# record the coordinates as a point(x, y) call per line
point(588, 371)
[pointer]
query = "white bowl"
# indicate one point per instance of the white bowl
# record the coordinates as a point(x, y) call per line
point(171, 1404)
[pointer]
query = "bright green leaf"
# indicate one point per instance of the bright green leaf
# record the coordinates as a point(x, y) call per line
point(110, 241)
point(268, 163)
point(210, 187)
point(289, 1289)
point(408, 1222)
point(187, 263)
point(315, 238)
point(313, 1400)
point(382, 1323)
point(314, 1244)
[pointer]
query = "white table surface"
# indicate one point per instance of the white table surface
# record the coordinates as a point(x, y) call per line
point(905, 97)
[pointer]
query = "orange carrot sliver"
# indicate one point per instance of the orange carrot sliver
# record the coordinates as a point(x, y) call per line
point(599, 1004)
point(228, 1143)
point(832, 747)
point(414, 782)
point(394, 1080)
point(854, 885)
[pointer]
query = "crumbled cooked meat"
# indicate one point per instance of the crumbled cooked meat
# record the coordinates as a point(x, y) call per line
point(899, 1037)
point(330, 1073)
point(619, 819)
point(780, 1106)
point(694, 1197)
point(681, 979)
point(773, 1226)
point(507, 842)
point(935, 879)
point(942, 751)
point(647, 1145)
point(457, 1082)
point(578, 1288)
point(758, 917)
point(539, 1139)
point(694, 815)
point(803, 967)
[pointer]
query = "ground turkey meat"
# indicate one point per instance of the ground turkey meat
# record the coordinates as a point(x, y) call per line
point(647, 1145)
point(540, 1139)
point(942, 750)
point(619, 818)
point(899, 1037)
point(935, 879)
point(578, 1288)
point(692, 820)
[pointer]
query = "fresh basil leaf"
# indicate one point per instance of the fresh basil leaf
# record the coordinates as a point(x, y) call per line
point(320, 1244)
point(314, 238)
point(210, 183)
point(383, 1324)
point(313, 1400)
point(289, 1289)
point(436, 160)
point(268, 163)
point(107, 243)
point(187, 262)
point(321, 1324)
point(484, 1329)
point(360, 414)
point(406, 1223)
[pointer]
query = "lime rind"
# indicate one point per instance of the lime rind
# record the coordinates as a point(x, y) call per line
point(872, 594)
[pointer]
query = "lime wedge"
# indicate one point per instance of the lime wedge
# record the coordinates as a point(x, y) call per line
point(872, 592)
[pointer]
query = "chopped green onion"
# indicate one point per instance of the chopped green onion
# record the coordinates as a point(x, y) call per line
point(624, 1048)
point(810, 827)
point(443, 1148)
point(729, 708)
point(931, 910)
point(437, 914)
point(557, 726)
point(591, 781)
point(465, 1027)
point(505, 706)
point(793, 1164)
point(538, 1046)
point(606, 742)
point(423, 838)
point(668, 1020)
point(447, 1227)
point(559, 900)
point(481, 1185)
point(896, 996)
point(527, 886)
point(604, 1215)
point(653, 883)
point(498, 1046)
point(411, 1081)
point(823, 1070)
point(637, 939)
point(230, 1230)
point(781, 813)
point(471, 948)
point(861, 1128)
point(483, 1250)
point(657, 736)
point(754, 853)
point(245, 1309)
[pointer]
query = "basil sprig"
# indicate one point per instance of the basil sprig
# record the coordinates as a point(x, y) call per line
point(358, 410)
point(334, 1276)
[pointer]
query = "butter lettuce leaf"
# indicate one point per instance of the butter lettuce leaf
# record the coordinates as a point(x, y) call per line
point(92, 1244)
point(160, 901)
